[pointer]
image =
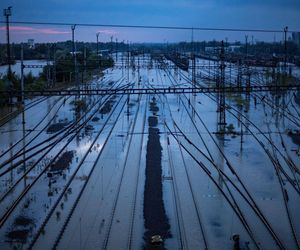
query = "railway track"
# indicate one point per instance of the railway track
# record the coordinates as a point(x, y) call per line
point(183, 242)
point(33, 129)
point(269, 156)
point(137, 177)
point(64, 101)
point(10, 116)
point(73, 129)
point(106, 241)
point(63, 132)
point(28, 187)
point(289, 162)
point(253, 207)
point(199, 219)
point(284, 192)
point(235, 204)
point(185, 148)
point(51, 215)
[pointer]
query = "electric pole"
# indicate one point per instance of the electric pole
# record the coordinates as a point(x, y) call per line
point(22, 75)
point(285, 49)
point(7, 14)
point(111, 46)
point(73, 52)
point(221, 86)
point(97, 36)
point(54, 65)
point(116, 49)
point(246, 46)
point(84, 54)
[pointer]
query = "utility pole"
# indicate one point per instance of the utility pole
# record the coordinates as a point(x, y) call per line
point(139, 80)
point(22, 75)
point(48, 66)
point(54, 65)
point(247, 66)
point(128, 96)
point(116, 50)
point(23, 110)
point(239, 73)
point(84, 78)
point(76, 69)
point(74, 53)
point(128, 55)
point(122, 56)
point(246, 41)
point(111, 45)
point(221, 86)
point(97, 36)
point(285, 49)
point(7, 14)
point(193, 73)
point(193, 63)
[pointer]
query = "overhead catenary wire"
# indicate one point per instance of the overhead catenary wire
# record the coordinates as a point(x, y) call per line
point(151, 27)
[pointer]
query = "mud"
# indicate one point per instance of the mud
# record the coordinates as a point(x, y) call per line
point(89, 127)
point(295, 136)
point(95, 119)
point(107, 107)
point(153, 107)
point(79, 105)
point(152, 121)
point(23, 221)
point(63, 162)
point(18, 235)
point(53, 128)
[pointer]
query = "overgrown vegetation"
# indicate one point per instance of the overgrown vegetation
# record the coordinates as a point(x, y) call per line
point(228, 130)
point(61, 73)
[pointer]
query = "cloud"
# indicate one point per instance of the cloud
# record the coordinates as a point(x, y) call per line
point(31, 30)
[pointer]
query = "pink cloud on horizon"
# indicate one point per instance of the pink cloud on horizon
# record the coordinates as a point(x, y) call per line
point(31, 30)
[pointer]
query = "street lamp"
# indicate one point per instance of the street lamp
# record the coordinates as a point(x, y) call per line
point(285, 48)
point(7, 14)
point(116, 49)
point(73, 51)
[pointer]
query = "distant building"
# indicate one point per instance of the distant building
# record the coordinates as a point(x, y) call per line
point(296, 38)
point(31, 43)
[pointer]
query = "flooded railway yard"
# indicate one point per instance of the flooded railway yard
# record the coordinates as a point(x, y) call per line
point(156, 171)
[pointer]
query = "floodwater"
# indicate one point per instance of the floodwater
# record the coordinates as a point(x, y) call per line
point(111, 172)
point(17, 67)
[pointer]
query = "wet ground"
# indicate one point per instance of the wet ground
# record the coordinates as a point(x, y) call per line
point(111, 172)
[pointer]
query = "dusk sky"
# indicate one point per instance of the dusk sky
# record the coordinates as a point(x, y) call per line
point(254, 14)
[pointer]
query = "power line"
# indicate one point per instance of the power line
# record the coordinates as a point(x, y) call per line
point(151, 27)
